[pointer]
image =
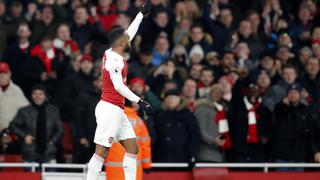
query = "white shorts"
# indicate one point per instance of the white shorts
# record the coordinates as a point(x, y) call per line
point(112, 124)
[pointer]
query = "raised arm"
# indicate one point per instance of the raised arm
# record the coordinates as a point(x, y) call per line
point(134, 26)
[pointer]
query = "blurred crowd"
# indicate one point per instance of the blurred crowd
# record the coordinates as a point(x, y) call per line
point(231, 80)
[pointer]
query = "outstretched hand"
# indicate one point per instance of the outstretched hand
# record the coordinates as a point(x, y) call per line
point(146, 107)
point(145, 10)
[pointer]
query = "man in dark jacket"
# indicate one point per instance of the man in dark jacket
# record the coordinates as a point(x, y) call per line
point(17, 54)
point(311, 82)
point(86, 121)
point(177, 131)
point(39, 128)
point(72, 86)
point(291, 131)
point(250, 124)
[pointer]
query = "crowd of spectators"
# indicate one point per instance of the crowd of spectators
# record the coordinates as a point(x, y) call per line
point(231, 80)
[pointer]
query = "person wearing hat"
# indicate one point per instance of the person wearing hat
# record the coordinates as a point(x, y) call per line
point(177, 131)
point(291, 131)
point(196, 54)
point(39, 128)
point(139, 87)
point(11, 97)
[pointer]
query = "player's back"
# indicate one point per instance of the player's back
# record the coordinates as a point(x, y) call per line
point(112, 63)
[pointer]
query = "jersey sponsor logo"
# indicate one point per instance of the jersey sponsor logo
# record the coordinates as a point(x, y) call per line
point(110, 140)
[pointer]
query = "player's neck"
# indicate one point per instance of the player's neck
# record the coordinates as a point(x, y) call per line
point(118, 50)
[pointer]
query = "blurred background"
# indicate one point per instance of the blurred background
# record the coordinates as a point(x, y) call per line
point(231, 80)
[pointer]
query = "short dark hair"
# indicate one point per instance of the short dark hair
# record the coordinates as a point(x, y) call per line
point(115, 34)
point(290, 66)
point(206, 68)
point(197, 25)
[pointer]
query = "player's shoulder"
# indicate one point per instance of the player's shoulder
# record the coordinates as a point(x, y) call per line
point(113, 56)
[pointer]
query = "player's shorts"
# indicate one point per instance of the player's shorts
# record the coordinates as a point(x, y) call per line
point(112, 124)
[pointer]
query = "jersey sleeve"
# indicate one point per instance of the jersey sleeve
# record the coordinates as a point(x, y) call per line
point(114, 67)
point(134, 26)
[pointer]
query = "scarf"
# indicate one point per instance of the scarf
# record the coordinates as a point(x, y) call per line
point(223, 126)
point(41, 128)
point(253, 116)
point(46, 57)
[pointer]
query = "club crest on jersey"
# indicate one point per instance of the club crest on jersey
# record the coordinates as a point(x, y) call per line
point(110, 140)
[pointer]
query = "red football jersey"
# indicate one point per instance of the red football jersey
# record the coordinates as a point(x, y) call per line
point(109, 94)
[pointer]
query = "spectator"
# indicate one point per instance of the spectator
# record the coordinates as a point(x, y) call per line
point(72, 86)
point(243, 53)
point(86, 121)
point(284, 55)
point(11, 97)
point(228, 62)
point(158, 26)
point(226, 82)
point(179, 54)
point(45, 26)
point(143, 67)
point(196, 54)
point(138, 86)
point(206, 81)
point(46, 65)
point(189, 93)
point(160, 51)
point(181, 30)
point(195, 71)
point(254, 18)
point(210, 112)
point(311, 82)
point(64, 42)
point(219, 22)
point(302, 26)
point(213, 61)
point(245, 34)
point(81, 30)
point(177, 131)
point(105, 12)
point(165, 72)
point(250, 124)
point(18, 53)
point(291, 131)
point(197, 36)
point(304, 54)
point(269, 65)
point(278, 91)
point(263, 81)
point(39, 128)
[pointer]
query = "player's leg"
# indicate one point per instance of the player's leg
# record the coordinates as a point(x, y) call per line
point(96, 162)
point(108, 118)
point(127, 139)
point(130, 158)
